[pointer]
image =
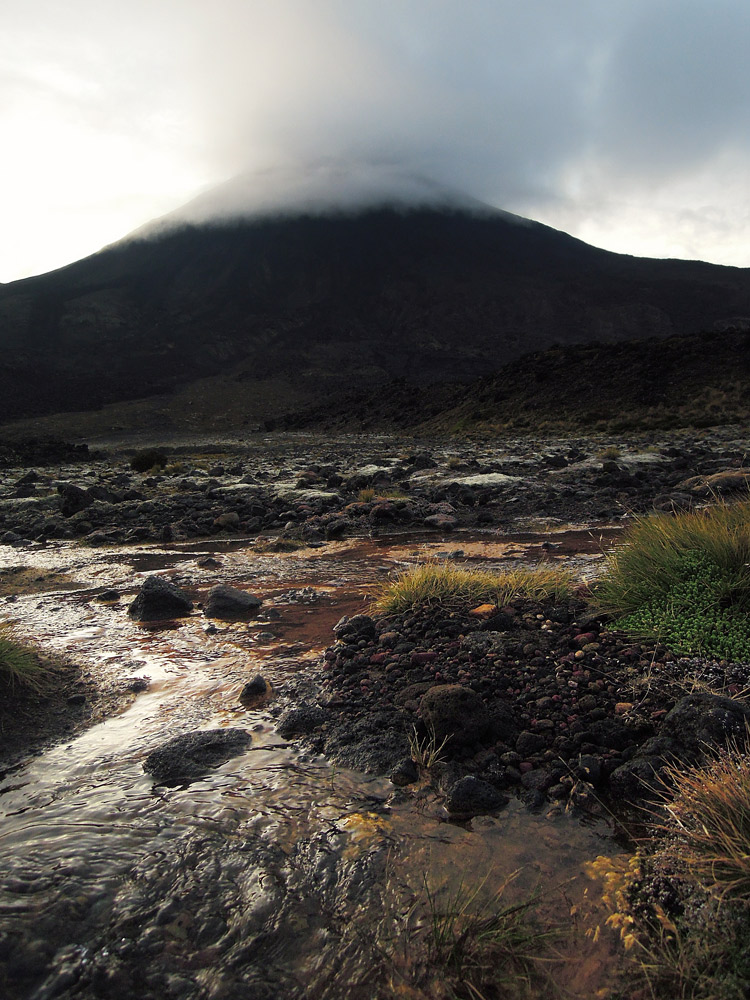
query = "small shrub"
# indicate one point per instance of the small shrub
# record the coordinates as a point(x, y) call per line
point(431, 583)
point(366, 495)
point(150, 458)
point(610, 454)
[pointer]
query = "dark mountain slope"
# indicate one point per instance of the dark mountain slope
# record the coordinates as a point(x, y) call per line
point(328, 302)
point(692, 380)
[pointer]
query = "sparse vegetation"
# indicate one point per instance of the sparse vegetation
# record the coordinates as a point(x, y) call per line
point(484, 949)
point(708, 820)
point(426, 752)
point(681, 904)
point(368, 494)
point(148, 459)
point(685, 580)
point(610, 454)
point(19, 665)
point(431, 583)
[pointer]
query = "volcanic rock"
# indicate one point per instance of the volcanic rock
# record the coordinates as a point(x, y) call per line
point(455, 712)
point(190, 756)
point(228, 603)
point(470, 796)
point(158, 599)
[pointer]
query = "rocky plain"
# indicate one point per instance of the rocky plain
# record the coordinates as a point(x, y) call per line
point(535, 708)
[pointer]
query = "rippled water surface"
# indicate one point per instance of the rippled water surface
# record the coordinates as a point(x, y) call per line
point(278, 874)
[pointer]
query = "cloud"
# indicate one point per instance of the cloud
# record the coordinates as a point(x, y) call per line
point(596, 114)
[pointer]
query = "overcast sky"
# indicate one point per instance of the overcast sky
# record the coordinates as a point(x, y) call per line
point(625, 123)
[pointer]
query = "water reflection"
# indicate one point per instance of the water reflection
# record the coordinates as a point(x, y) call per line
point(303, 859)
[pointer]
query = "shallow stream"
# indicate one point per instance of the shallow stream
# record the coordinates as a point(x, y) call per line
point(278, 875)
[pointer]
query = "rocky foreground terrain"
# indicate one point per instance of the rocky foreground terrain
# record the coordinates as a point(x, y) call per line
point(312, 489)
point(202, 847)
point(541, 698)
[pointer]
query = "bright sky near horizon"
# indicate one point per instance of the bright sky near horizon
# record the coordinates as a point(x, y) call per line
point(625, 123)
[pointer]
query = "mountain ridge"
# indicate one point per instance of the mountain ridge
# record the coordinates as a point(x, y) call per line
point(326, 302)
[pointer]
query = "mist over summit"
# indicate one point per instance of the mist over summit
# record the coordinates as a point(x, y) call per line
point(328, 186)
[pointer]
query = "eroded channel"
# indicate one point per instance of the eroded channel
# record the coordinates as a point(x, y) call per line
point(278, 875)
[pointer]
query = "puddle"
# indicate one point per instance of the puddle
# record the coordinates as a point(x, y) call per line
point(277, 874)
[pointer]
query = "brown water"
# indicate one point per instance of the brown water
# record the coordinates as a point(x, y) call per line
point(277, 875)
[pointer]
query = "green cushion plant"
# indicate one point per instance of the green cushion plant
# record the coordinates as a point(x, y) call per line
point(685, 580)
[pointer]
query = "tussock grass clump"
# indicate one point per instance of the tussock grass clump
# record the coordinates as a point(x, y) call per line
point(685, 580)
point(369, 494)
point(426, 752)
point(709, 822)
point(682, 903)
point(456, 586)
point(19, 665)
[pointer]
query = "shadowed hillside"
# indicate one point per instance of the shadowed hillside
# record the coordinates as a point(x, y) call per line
point(329, 303)
point(693, 380)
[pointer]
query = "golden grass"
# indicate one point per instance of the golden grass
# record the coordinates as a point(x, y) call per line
point(368, 494)
point(708, 820)
point(19, 665)
point(695, 948)
point(458, 586)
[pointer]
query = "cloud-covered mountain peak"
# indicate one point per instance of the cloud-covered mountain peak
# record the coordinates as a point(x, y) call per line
point(323, 187)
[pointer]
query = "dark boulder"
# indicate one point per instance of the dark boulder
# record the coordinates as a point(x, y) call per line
point(529, 743)
point(441, 522)
point(404, 773)
point(158, 599)
point(369, 744)
point(454, 712)
point(470, 796)
point(301, 720)
point(228, 603)
point(704, 720)
point(336, 528)
point(359, 627)
point(73, 499)
point(697, 723)
point(637, 778)
point(189, 757)
point(255, 691)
